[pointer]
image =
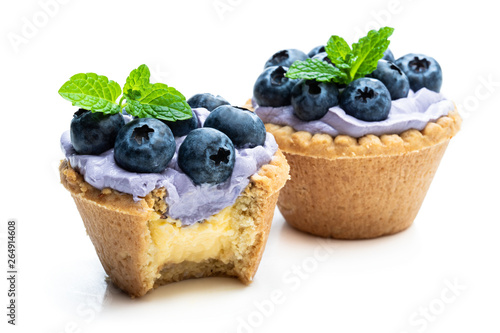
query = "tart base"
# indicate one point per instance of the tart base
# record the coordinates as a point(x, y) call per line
point(119, 229)
point(365, 197)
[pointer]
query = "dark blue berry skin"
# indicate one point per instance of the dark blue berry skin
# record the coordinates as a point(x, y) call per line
point(394, 79)
point(422, 71)
point(207, 156)
point(285, 58)
point(243, 127)
point(94, 133)
point(182, 127)
point(311, 99)
point(323, 56)
point(207, 101)
point(366, 99)
point(272, 88)
point(388, 56)
point(316, 50)
point(144, 145)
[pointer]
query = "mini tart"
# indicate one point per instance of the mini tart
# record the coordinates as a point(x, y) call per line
point(141, 248)
point(355, 188)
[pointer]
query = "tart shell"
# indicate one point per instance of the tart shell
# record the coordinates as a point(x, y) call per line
point(118, 228)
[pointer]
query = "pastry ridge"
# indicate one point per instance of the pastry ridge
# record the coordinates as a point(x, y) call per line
point(326, 146)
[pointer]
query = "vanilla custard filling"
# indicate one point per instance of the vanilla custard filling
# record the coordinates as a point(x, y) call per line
point(219, 237)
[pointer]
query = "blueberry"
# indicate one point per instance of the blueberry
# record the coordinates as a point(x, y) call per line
point(316, 50)
point(94, 133)
point(422, 71)
point(207, 156)
point(182, 127)
point(366, 99)
point(323, 56)
point(273, 88)
point(243, 127)
point(311, 99)
point(393, 78)
point(388, 56)
point(207, 101)
point(285, 58)
point(144, 145)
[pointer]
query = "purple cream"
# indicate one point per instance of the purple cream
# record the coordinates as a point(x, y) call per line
point(186, 201)
point(413, 112)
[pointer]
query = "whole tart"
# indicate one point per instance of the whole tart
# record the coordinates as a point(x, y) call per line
point(353, 188)
point(363, 133)
point(168, 191)
point(141, 248)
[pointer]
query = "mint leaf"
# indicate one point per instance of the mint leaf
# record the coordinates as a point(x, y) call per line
point(337, 49)
point(349, 63)
point(368, 51)
point(157, 101)
point(92, 92)
point(138, 79)
point(315, 69)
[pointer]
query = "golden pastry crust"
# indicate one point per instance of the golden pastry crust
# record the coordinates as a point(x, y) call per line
point(118, 228)
point(326, 146)
point(359, 197)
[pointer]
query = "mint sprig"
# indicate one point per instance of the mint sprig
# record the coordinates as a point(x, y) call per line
point(349, 63)
point(143, 99)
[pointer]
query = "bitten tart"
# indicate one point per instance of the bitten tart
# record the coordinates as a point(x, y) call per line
point(362, 150)
point(141, 248)
point(174, 196)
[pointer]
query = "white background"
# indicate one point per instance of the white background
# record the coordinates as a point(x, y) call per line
point(382, 285)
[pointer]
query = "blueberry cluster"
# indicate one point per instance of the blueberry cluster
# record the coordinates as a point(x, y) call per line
point(368, 98)
point(145, 145)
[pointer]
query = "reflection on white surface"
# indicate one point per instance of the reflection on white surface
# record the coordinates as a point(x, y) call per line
point(294, 261)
